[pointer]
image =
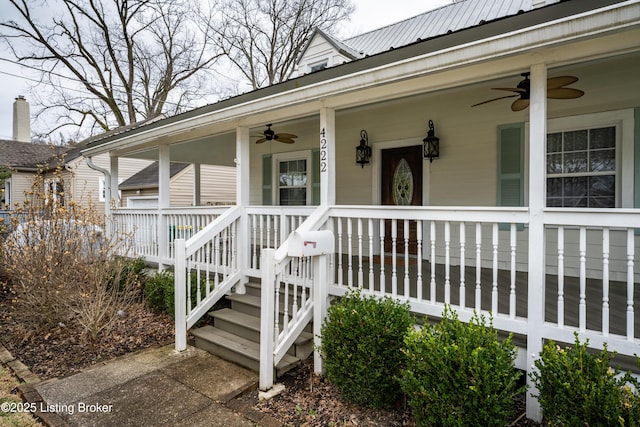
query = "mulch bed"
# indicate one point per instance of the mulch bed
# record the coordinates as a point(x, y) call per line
point(310, 400)
point(61, 351)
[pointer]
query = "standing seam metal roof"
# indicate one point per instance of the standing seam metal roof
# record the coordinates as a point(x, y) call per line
point(450, 18)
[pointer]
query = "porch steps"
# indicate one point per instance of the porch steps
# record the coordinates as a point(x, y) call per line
point(235, 334)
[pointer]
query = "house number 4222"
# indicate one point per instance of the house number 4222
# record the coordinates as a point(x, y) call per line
point(323, 151)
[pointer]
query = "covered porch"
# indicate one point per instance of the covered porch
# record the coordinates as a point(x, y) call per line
point(506, 220)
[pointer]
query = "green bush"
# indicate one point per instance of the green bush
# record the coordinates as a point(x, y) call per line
point(159, 291)
point(579, 388)
point(361, 342)
point(460, 374)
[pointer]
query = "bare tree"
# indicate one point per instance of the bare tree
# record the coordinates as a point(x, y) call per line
point(133, 59)
point(263, 38)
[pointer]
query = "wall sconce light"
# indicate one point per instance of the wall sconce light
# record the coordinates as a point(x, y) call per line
point(431, 144)
point(363, 151)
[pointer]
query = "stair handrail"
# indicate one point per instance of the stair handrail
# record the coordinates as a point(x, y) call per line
point(273, 343)
point(185, 318)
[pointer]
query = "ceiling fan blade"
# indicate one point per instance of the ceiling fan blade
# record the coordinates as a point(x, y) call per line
point(519, 104)
point(511, 89)
point(261, 140)
point(564, 93)
point(494, 99)
point(556, 82)
point(285, 140)
point(285, 135)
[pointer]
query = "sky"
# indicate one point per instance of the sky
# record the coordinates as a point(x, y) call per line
point(15, 80)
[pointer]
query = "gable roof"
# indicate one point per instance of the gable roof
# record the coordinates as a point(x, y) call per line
point(27, 155)
point(443, 20)
point(148, 177)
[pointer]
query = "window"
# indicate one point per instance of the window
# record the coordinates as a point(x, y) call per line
point(102, 189)
point(318, 66)
point(293, 182)
point(54, 191)
point(581, 168)
point(6, 193)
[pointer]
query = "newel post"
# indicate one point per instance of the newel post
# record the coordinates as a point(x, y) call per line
point(320, 294)
point(180, 279)
point(267, 318)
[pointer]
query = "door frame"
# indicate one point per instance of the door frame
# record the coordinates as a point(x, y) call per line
point(376, 165)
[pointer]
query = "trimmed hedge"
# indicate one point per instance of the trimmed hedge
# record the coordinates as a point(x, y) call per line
point(362, 339)
point(460, 374)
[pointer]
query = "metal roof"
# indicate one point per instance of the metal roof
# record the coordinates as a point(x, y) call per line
point(443, 20)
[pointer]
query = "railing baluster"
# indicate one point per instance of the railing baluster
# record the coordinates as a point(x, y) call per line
point(254, 249)
point(419, 278)
point(605, 281)
point(512, 294)
point(561, 276)
point(340, 271)
point(406, 259)
point(360, 271)
point(494, 283)
point(349, 252)
point(463, 242)
point(447, 262)
point(262, 237)
point(432, 262)
point(630, 256)
point(383, 279)
point(583, 280)
point(478, 266)
point(394, 258)
point(371, 275)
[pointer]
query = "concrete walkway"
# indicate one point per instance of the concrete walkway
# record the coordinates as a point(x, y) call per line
point(155, 387)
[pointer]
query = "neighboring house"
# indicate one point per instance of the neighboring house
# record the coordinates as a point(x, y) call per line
point(141, 189)
point(74, 180)
point(528, 207)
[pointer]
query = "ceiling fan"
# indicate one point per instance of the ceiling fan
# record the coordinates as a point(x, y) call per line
point(270, 135)
point(555, 89)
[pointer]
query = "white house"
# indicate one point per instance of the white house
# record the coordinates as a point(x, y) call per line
point(529, 209)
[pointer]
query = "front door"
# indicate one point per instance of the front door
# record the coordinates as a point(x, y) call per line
point(402, 186)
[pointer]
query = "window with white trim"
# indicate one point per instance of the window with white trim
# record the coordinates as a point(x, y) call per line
point(318, 66)
point(54, 191)
point(293, 178)
point(581, 168)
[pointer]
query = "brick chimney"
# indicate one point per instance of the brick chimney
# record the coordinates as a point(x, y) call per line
point(21, 120)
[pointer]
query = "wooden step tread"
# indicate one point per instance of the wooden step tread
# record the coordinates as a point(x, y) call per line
point(251, 300)
point(250, 322)
point(237, 344)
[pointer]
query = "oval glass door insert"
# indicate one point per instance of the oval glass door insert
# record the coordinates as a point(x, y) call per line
point(402, 184)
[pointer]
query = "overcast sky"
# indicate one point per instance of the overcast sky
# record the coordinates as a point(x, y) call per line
point(14, 80)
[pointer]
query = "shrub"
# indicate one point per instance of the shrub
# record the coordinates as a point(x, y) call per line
point(459, 374)
point(577, 387)
point(159, 291)
point(61, 267)
point(361, 342)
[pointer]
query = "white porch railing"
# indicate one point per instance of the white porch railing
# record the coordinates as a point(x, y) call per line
point(269, 228)
point(476, 259)
point(154, 231)
point(207, 266)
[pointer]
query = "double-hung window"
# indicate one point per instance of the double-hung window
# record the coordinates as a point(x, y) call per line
point(581, 168)
point(293, 182)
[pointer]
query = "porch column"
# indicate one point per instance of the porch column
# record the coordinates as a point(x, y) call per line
point(197, 193)
point(164, 176)
point(243, 168)
point(114, 197)
point(327, 156)
point(537, 201)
